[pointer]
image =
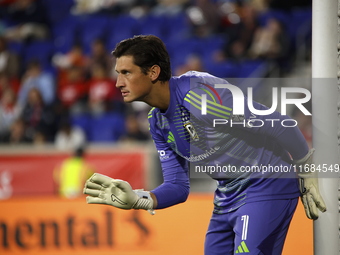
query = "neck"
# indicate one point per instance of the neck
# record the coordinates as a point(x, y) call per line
point(159, 96)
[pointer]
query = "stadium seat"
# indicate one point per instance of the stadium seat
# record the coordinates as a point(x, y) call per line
point(203, 47)
point(82, 121)
point(225, 69)
point(283, 17)
point(176, 27)
point(120, 28)
point(57, 10)
point(64, 34)
point(39, 50)
point(300, 26)
point(180, 50)
point(17, 47)
point(153, 25)
point(106, 128)
point(252, 68)
point(92, 27)
point(210, 45)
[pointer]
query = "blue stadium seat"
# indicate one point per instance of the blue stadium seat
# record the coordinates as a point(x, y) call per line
point(83, 121)
point(251, 73)
point(204, 48)
point(39, 50)
point(106, 128)
point(64, 33)
point(180, 50)
point(210, 45)
point(120, 28)
point(225, 69)
point(153, 25)
point(17, 47)
point(252, 68)
point(300, 25)
point(176, 27)
point(92, 27)
point(57, 9)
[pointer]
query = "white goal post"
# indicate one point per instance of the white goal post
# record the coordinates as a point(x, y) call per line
point(325, 119)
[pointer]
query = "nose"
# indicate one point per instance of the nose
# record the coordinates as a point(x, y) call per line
point(120, 83)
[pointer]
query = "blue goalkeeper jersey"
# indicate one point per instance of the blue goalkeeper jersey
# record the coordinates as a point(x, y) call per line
point(251, 160)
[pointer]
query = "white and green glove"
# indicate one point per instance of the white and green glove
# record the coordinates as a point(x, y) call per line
point(118, 193)
point(309, 187)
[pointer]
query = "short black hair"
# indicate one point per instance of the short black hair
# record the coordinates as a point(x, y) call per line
point(146, 50)
point(79, 152)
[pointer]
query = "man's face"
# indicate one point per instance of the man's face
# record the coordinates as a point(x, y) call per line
point(133, 84)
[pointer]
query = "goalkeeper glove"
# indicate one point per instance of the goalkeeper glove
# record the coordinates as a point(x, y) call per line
point(118, 193)
point(309, 187)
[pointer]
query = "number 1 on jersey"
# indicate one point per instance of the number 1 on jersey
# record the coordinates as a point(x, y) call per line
point(245, 219)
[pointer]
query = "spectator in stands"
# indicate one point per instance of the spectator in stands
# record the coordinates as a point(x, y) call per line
point(113, 7)
point(8, 112)
point(102, 90)
point(39, 118)
point(43, 81)
point(134, 132)
point(73, 92)
point(270, 41)
point(9, 61)
point(205, 18)
point(7, 83)
point(169, 7)
point(18, 133)
point(71, 174)
point(85, 7)
point(143, 7)
point(75, 57)
point(100, 56)
point(238, 33)
point(69, 137)
point(27, 20)
point(140, 110)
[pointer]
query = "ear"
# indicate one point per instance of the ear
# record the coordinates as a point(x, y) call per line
point(154, 72)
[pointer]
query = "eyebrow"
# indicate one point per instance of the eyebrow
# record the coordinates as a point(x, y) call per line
point(122, 71)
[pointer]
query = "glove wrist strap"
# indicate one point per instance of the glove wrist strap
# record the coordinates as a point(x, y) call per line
point(144, 202)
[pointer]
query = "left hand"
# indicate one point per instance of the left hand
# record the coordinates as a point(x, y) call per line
point(118, 193)
point(105, 190)
point(310, 196)
point(309, 187)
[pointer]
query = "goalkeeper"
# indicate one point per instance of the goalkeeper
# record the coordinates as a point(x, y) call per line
point(251, 213)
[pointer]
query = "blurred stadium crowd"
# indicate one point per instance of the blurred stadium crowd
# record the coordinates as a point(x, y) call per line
point(57, 79)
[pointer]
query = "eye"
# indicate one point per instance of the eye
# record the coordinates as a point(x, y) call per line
point(125, 72)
